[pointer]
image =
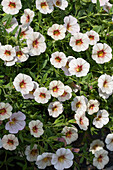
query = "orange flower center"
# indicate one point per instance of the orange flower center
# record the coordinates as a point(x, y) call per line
point(99, 117)
point(46, 159)
point(35, 129)
point(95, 146)
point(54, 108)
point(55, 89)
point(101, 54)
point(58, 3)
point(19, 54)
point(42, 95)
point(43, 5)
point(27, 18)
point(79, 42)
point(61, 158)
point(31, 92)
point(13, 121)
point(35, 43)
point(68, 26)
point(67, 65)
point(22, 84)
point(81, 121)
point(58, 59)
point(7, 52)
point(91, 106)
point(56, 32)
point(2, 111)
point(68, 134)
point(78, 68)
point(10, 142)
point(64, 94)
point(12, 5)
point(78, 105)
point(34, 152)
point(105, 84)
point(22, 34)
point(91, 37)
point(100, 158)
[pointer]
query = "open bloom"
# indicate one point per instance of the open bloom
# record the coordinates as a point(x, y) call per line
point(31, 154)
point(23, 83)
point(109, 142)
point(44, 6)
point(62, 159)
point(55, 109)
point(56, 88)
point(93, 37)
point(44, 160)
point(79, 42)
point(25, 32)
point(11, 6)
point(5, 110)
point(7, 53)
point(104, 95)
point(16, 122)
point(101, 159)
point(79, 103)
point(70, 133)
point(62, 4)
point(96, 145)
point(102, 2)
point(58, 59)
point(66, 67)
point(79, 67)
point(105, 83)
point(30, 95)
point(27, 17)
point(82, 120)
point(57, 32)
point(12, 25)
point(66, 95)
point(36, 43)
point(42, 95)
point(36, 128)
point(22, 55)
point(70, 23)
point(101, 119)
point(93, 106)
point(10, 142)
point(101, 53)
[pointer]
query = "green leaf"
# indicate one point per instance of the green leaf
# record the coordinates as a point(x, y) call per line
point(98, 5)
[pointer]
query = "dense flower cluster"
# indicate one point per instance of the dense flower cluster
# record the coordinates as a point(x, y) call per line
point(58, 97)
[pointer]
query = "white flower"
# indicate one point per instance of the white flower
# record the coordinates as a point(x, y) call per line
point(11, 62)
point(101, 53)
point(79, 103)
point(22, 55)
point(101, 119)
point(11, 6)
point(56, 88)
point(23, 83)
point(93, 37)
point(27, 17)
point(57, 32)
point(79, 67)
point(30, 95)
point(36, 43)
point(42, 95)
point(70, 133)
point(93, 106)
point(101, 159)
point(96, 145)
point(12, 25)
point(25, 32)
point(31, 154)
point(62, 4)
point(58, 59)
point(44, 160)
point(109, 142)
point(82, 120)
point(5, 111)
point(1, 144)
point(66, 95)
point(7, 53)
point(55, 109)
point(62, 159)
point(103, 95)
point(10, 142)
point(102, 2)
point(79, 42)
point(107, 7)
point(36, 128)
point(70, 23)
point(105, 83)
point(44, 6)
point(66, 67)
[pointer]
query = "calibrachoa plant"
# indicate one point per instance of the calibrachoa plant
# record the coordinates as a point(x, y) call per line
point(56, 84)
